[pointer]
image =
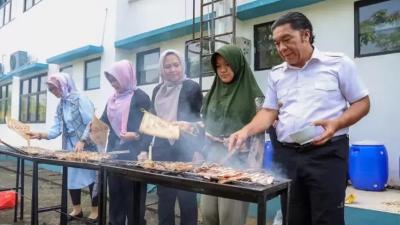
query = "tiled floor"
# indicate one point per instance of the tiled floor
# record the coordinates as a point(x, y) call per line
point(385, 201)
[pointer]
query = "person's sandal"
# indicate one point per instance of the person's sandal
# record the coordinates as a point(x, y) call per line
point(78, 216)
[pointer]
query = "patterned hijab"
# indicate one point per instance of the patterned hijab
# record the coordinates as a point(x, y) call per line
point(228, 107)
point(167, 98)
point(118, 104)
point(64, 83)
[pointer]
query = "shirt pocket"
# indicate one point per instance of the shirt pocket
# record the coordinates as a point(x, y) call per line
point(325, 90)
point(326, 86)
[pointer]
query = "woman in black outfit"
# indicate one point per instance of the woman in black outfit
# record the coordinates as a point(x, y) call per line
point(176, 99)
point(123, 115)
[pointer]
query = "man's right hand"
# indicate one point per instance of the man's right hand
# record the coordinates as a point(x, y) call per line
point(237, 139)
point(34, 135)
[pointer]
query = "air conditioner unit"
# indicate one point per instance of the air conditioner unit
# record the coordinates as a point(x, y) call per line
point(18, 59)
point(1, 69)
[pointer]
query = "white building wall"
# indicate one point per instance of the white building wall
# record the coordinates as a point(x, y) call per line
point(66, 25)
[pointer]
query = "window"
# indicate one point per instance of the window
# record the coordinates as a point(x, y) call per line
point(377, 27)
point(67, 69)
point(5, 102)
point(92, 74)
point(265, 55)
point(30, 3)
point(5, 12)
point(147, 66)
point(33, 99)
point(192, 55)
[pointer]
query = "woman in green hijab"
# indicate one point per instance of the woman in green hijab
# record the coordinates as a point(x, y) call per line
point(230, 104)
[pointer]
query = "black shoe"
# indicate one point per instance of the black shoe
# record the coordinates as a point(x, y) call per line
point(71, 218)
point(90, 221)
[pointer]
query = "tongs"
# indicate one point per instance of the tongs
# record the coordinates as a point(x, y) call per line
point(13, 148)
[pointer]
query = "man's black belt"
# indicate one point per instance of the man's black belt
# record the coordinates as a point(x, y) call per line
point(309, 145)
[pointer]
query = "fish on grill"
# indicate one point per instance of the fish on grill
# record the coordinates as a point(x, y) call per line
point(166, 166)
point(84, 156)
point(213, 172)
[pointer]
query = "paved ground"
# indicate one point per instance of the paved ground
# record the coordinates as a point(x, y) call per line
point(49, 195)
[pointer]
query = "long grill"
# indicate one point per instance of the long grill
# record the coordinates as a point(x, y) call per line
point(184, 180)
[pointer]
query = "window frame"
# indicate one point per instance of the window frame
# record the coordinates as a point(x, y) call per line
point(357, 47)
point(140, 64)
point(85, 74)
point(3, 22)
point(38, 92)
point(34, 2)
point(256, 65)
point(65, 67)
point(5, 100)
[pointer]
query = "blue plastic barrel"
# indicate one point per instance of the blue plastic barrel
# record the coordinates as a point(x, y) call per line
point(268, 155)
point(368, 166)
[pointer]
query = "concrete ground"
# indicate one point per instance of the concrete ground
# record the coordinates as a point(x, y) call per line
point(50, 195)
point(384, 201)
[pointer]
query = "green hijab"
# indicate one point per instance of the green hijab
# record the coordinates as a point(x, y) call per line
point(228, 107)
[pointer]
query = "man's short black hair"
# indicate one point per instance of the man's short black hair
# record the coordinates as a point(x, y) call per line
point(297, 20)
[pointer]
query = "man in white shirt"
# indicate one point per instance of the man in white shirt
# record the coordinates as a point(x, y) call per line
point(310, 88)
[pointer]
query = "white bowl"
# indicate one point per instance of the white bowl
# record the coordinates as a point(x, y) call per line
point(305, 135)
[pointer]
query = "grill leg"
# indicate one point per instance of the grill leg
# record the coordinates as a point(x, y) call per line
point(102, 197)
point(21, 213)
point(64, 197)
point(136, 203)
point(17, 175)
point(262, 207)
point(286, 197)
point(35, 200)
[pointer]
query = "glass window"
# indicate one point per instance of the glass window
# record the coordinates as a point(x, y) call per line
point(377, 28)
point(43, 85)
point(5, 102)
point(1, 16)
point(192, 55)
point(2, 111)
point(23, 115)
point(33, 99)
point(265, 55)
point(25, 87)
point(34, 85)
point(30, 3)
point(92, 74)
point(147, 66)
point(5, 12)
point(42, 107)
point(67, 69)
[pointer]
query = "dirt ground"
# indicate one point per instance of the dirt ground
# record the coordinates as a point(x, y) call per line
point(50, 195)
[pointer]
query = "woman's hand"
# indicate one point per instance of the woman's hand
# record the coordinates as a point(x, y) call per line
point(79, 147)
point(36, 135)
point(142, 156)
point(129, 136)
point(187, 127)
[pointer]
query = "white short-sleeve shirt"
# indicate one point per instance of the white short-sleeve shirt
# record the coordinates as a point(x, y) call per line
point(322, 89)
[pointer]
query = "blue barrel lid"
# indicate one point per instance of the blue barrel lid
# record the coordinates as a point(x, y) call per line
point(368, 142)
